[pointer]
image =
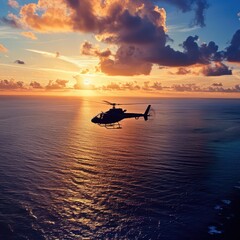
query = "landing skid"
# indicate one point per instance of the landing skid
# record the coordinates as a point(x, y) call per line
point(111, 125)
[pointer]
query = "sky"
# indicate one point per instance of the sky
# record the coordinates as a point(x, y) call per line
point(125, 47)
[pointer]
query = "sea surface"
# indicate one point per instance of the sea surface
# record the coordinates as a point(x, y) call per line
point(174, 177)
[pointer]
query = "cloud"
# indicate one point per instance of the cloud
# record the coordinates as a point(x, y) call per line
point(133, 86)
point(217, 84)
point(43, 16)
point(36, 85)
point(113, 86)
point(3, 49)
point(88, 49)
point(57, 84)
point(186, 88)
point(85, 71)
point(30, 35)
point(183, 71)
point(233, 51)
point(215, 87)
point(19, 62)
point(156, 86)
point(11, 84)
point(136, 28)
point(216, 69)
point(13, 3)
point(127, 62)
point(153, 87)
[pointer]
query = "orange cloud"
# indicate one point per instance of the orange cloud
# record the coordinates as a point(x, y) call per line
point(3, 49)
point(54, 17)
point(30, 35)
point(92, 16)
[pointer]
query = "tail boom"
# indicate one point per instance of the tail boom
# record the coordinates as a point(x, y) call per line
point(146, 114)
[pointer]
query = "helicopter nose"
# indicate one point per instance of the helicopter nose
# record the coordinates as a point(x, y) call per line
point(94, 120)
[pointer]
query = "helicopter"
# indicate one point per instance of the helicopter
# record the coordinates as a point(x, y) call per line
point(113, 116)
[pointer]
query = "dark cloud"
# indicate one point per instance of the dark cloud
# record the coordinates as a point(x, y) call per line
point(216, 69)
point(19, 62)
point(191, 49)
point(233, 51)
point(83, 15)
point(135, 29)
point(209, 52)
point(11, 84)
point(128, 61)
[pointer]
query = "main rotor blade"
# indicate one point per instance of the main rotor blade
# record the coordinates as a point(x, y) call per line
point(111, 103)
point(116, 104)
point(108, 102)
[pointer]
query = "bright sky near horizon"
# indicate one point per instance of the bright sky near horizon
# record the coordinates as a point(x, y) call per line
point(120, 46)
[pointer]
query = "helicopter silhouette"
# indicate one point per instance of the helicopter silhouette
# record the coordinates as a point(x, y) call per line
point(113, 116)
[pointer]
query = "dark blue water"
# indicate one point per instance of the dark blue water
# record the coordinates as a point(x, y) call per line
point(174, 177)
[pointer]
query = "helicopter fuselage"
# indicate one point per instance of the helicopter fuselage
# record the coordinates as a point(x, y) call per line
point(115, 115)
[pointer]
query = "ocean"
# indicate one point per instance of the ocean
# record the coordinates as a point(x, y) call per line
point(174, 177)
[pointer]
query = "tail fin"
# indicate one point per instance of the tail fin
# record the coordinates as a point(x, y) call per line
point(146, 115)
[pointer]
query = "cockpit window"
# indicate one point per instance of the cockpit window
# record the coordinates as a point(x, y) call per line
point(100, 115)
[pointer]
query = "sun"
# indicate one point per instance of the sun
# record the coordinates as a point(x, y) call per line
point(86, 82)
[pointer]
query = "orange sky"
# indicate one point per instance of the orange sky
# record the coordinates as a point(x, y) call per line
point(113, 47)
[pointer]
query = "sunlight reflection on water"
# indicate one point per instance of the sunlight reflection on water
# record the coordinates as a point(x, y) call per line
point(63, 177)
